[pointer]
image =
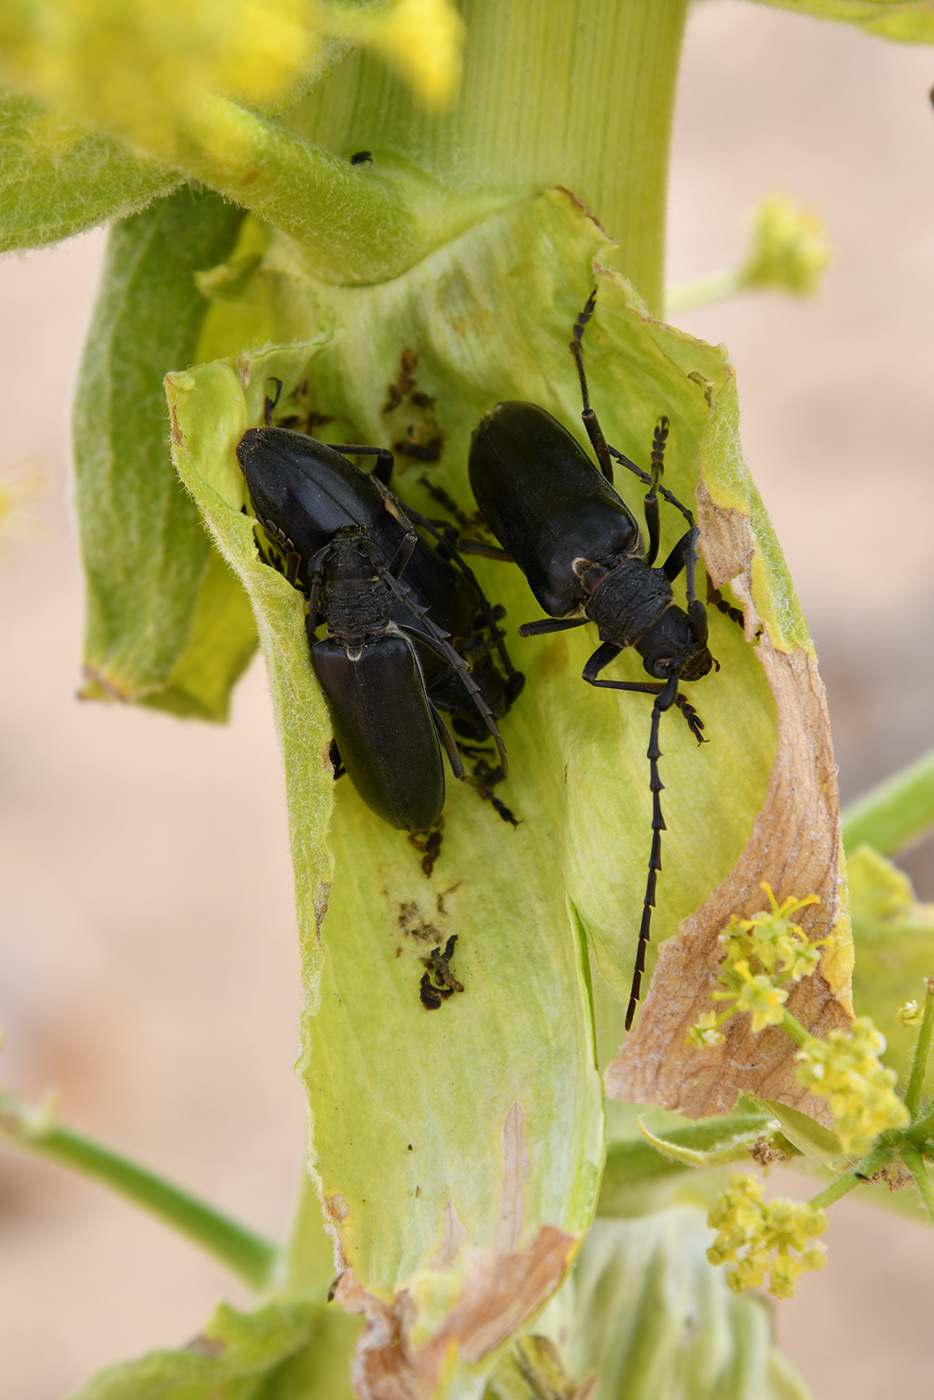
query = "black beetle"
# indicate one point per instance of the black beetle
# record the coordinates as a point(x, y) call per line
point(580, 547)
point(305, 493)
point(386, 727)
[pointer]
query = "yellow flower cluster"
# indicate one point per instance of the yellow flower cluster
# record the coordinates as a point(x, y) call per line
point(150, 71)
point(790, 249)
point(771, 941)
point(774, 1239)
point(845, 1069)
point(140, 68)
point(762, 955)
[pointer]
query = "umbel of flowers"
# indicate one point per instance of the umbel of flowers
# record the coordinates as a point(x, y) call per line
point(764, 956)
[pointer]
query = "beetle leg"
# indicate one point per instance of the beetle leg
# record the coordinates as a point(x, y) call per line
point(448, 547)
point(403, 554)
point(485, 551)
point(450, 748)
point(605, 653)
point(716, 599)
point(683, 556)
point(384, 458)
point(550, 624)
point(456, 661)
point(269, 404)
point(591, 421)
point(646, 479)
point(650, 504)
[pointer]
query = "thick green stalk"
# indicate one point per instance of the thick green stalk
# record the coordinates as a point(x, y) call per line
point(895, 814)
point(579, 94)
point(244, 1253)
point(874, 1162)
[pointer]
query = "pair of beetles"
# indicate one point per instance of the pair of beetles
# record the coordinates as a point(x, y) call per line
point(409, 632)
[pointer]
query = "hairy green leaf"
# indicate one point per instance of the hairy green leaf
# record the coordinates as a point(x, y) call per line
point(911, 21)
point(168, 625)
point(645, 1312)
point(58, 180)
point(297, 1351)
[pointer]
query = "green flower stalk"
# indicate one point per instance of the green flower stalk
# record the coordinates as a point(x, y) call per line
point(789, 252)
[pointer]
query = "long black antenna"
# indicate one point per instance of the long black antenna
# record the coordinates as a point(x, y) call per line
point(663, 701)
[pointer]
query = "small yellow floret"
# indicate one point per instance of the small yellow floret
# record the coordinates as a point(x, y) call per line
point(911, 1015)
point(774, 1239)
point(761, 998)
point(705, 1032)
point(790, 248)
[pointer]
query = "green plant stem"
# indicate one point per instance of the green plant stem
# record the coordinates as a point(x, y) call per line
point(701, 291)
point(918, 1168)
point(244, 1253)
point(895, 814)
point(922, 1125)
point(872, 1163)
point(919, 1064)
point(579, 94)
point(794, 1029)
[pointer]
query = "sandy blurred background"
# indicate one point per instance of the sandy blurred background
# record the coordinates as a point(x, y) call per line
point(148, 965)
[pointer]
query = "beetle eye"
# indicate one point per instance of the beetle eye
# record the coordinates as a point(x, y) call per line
point(659, 664)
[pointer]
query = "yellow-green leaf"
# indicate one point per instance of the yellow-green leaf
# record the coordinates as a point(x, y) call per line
point(894, 937)
point(168, 625)
point(646, 1314)
point(59, 180)
point(458, 1151)
point(911, 21)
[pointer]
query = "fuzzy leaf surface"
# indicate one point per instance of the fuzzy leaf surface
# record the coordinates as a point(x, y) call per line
point(168, 625)
point(58, 180)
point(645, 1312)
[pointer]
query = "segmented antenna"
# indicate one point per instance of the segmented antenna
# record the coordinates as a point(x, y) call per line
point(657, 787)
point(663, 701)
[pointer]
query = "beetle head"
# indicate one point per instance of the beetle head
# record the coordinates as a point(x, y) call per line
point(676, 645)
